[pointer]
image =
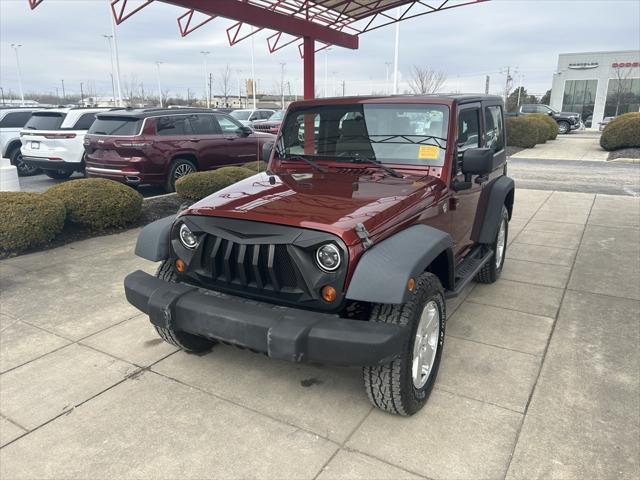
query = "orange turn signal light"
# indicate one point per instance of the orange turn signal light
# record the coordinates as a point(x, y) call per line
point(180, 266)
point(411, 284)
point(329, 293)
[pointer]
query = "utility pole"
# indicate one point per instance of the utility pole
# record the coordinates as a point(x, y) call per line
point(386, 82)
point(507, 84)
point(520, 89)
point(142, 93)
point(396, 53)
point(81, 96)
point(253, 71)
point(343, 88)
point(239, 72)
point(207, 85)
point(486, 84)
point(159, 86)
point(2, 93)
point(326, 72)
point(117, 57)
point(113, 84)
point(15, 47)
point(64, 95)
point(282, 64)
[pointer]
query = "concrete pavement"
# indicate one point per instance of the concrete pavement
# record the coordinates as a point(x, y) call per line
point(579, 145)
point(539, 379)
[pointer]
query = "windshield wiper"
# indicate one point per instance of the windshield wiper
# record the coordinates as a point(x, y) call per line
point(357, 158)
point(307, 160)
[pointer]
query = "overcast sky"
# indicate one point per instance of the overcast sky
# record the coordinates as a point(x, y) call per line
point(62, 39)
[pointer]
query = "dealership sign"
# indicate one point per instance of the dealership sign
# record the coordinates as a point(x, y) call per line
point(625, 64)
point(583, 65)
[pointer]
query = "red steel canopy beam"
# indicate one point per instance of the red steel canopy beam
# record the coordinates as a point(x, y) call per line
point(34, 3)
point(262, 18)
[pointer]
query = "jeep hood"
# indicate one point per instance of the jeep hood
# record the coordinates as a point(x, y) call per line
point(334, 202)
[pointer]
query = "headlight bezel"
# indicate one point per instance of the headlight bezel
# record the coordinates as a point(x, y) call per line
point(183, 231)
point(336, 250)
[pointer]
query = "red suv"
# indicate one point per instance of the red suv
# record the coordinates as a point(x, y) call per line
point(158, 146)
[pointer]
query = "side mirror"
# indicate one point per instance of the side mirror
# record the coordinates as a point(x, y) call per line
point(478, 161)
point(266, 151)
point(245, 131)
point(550, 114)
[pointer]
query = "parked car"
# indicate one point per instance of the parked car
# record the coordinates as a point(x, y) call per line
point(11, 122)
point(158, 146)
point(248, 116)
point(271, 125)
point(605, 121)
point(346, 248)
point(52, 140)
point(567, 121)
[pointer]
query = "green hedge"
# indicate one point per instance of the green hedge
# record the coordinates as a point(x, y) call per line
point(524, 131)
point(98, 203)
point(28, 220)
point(236, 173)
point(256, 166)
point(551, 126)
point(622, 132)
point(199, 185)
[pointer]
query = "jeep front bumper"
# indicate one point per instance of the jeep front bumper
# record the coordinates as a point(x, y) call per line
point(280, 332)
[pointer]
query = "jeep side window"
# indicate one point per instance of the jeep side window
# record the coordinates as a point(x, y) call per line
point(203, 125)
point(15, 119)
point(85, 121)
point(528, 109)
point(227, 125)
point(468, 130)
point(494, 130)
point(172, 125)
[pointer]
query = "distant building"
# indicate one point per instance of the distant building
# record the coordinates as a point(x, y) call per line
point(597, 84)
point(19, 103)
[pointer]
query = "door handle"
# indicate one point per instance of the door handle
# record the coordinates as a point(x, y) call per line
point(194, 139)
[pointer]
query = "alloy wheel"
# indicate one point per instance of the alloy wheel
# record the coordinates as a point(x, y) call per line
point(425, 345)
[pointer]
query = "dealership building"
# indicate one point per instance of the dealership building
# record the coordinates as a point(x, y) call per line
point(597, 84)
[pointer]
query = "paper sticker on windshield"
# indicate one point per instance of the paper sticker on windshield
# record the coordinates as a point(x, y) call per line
point(428, 152)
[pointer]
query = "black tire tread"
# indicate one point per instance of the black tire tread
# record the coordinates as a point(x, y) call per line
point(383, 383)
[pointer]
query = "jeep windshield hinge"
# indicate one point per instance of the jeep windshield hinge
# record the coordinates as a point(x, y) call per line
point(362, 233)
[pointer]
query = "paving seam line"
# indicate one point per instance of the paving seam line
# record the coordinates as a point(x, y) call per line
point(493, 345)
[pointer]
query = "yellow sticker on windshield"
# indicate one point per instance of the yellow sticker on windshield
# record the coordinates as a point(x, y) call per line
point(428, 152)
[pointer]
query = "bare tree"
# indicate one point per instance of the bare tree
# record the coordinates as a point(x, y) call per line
point(225, 82)
point(425, 80)
point(621, 86)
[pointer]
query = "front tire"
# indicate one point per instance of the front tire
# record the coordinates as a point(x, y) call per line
point(57, 174)
point(179, 168)
point(490, 271)
point(177, 338)
point(564, 128)
point(403, 386)
point(24, 170)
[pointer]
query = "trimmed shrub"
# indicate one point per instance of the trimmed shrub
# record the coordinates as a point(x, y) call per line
point(236, 173)
point(256, 166)
point(98, 203)
point(28, 220)
point(199, 185)
point(540, 127)
point(523, 132)
point(622, 132)
point(551, 125)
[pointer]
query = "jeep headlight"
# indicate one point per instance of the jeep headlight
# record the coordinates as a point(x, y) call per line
point(187, 238)
point(328, 257)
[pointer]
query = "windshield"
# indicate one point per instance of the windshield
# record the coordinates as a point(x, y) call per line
point(115, 126)
point(277, 116)
point(241, 114)
point(45, 121)
point(390, 133)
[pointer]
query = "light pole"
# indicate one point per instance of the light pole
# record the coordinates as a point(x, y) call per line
point(326, 72)
point(81, 96)
point(113, 85)
point(386, 83)
point(207, 93)
point(239, 72)
point(15, 47)
point(115, 45)
point(158, 63)
point(64, 96)
point(396, 53)
point(253, 72)
point(282, 64)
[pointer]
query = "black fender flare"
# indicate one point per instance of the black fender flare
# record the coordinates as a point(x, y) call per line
point(154, 240)
point(494, 195)
point(383, 271)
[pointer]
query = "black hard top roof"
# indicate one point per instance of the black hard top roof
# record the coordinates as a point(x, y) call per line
point(154, 112)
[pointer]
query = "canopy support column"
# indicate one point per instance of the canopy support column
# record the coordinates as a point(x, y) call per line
point(309, 59)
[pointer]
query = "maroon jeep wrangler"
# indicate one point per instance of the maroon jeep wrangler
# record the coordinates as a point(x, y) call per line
point(371, 213)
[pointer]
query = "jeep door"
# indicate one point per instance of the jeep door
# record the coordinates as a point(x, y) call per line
point(465, 202)
point(240, 147)
point(209, 142)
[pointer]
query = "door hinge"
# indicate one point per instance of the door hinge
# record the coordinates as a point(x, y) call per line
point(362, 233)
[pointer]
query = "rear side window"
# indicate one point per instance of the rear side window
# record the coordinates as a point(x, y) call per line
point(494, 129)
point(45, 121)
point(227, 124)
point(104, 125)
point(84, 122)
point(15, 119)
point(203, 125)
point(177, 125)
point(529, 109)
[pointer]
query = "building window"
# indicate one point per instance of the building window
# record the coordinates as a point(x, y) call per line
point(623, 96)
point(580, 97)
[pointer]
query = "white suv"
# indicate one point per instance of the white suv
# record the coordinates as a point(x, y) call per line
point(247, 116)
point(53, 140)
point(11, 122)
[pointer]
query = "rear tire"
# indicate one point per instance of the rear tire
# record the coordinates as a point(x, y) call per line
point(24, 170)
point(177, 338)
point(490, 271)
point(403, 386)
point(57, 174)
point(179, 168)
point(564, 128)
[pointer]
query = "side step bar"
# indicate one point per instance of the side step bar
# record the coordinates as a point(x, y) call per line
point(467, 269)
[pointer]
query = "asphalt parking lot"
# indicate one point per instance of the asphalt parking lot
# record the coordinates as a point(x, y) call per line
point(540, 374)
